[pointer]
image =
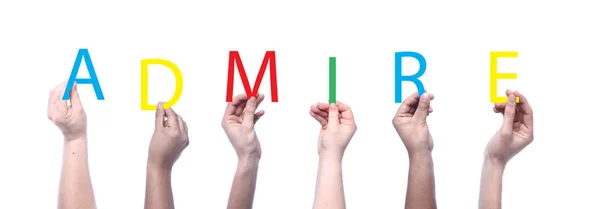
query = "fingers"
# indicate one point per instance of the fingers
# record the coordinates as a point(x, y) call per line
point(259, 99)
point(509, 114)
point(258, 115)
point(232, 106)
point(160, 115)
point(526, 109)
point(185, 128)
point(323, 106)
point(172, 118)
point(319, 111)
point(408, 104)
point(251, 106)
point(423, 108)
point(59, 103)
point(51, 101)
point(181, 124)
point(318, 117)
point(334, 114)
point(75, 100)
point(345, 111)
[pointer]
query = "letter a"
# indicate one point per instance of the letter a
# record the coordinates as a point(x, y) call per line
point(83, 53)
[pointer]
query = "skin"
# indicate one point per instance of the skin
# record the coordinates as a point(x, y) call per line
point(411, 124)
point(169, 140)
point(238, 123)
point(513, 136)
point(75, 190)
point(337, 128)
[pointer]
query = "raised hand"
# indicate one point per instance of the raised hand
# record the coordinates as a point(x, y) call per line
point(516, 131)
point(70, 119)
point(170, 138)
point(75, 190)
point(410, 122)
point(238, 122)
point(513, 136)
point(337, 126)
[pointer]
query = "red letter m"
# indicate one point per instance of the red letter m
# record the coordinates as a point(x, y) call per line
point(234, 59)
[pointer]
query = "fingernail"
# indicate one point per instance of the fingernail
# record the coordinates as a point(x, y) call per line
point(252, 100)
point(511, 99)
point(332, 106)
point(160, 105)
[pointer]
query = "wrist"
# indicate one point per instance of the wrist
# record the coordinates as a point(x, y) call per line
point(69, 139)
point(158, 166)
point(416, 153)
point(246, 164)
point(75, 137)
point(494, 163)
point(331, 156)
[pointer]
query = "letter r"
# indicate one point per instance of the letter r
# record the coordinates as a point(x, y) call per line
point(412, 78)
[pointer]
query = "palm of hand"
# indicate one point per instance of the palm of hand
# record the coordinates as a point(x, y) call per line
point(410, 122)
point(334, 135)
point(238, 123)
point(243, 139)
point(413, 133)
point(70, 119)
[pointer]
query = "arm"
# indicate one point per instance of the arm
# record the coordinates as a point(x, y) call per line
point(330, 188)
point(244, 184)
point(169, 140)
point(75, 190)
point(158, 188)
point(514, 135)
point(420, 193)
point(490, 193)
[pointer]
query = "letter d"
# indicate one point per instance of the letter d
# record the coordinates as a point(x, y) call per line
point(178, 83)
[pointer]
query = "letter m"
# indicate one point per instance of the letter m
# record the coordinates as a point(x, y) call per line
point(234, 59)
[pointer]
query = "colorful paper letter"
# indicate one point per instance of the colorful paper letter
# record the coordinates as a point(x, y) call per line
point(332, 84)
point(412, 78)
point(83, 53)
point(178, 83)
point(234, 59)
point(494, 75)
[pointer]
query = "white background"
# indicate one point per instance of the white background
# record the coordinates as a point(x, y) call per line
point(557, 67)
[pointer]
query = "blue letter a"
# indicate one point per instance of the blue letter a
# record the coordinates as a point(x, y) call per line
point(83, 53)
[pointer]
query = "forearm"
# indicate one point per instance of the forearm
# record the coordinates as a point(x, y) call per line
point(159, 194)
point(243, 187)
point(330, 188)
point(420, 192)
point(76, 189)
point(490, 193)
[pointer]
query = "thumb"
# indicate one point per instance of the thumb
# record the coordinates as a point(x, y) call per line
point(160, 115)
point(75, 100)
point(509, 114)
point(249, 112)
point(423, 108)
point(334, 114)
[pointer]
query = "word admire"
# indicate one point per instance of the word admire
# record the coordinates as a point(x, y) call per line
point(269, 62)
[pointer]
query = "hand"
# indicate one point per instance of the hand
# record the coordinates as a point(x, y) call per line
point(411, 123)
point(238, 122)
point(71, 120)
point(169, 140)
point(337, 127)
point(516, 131)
